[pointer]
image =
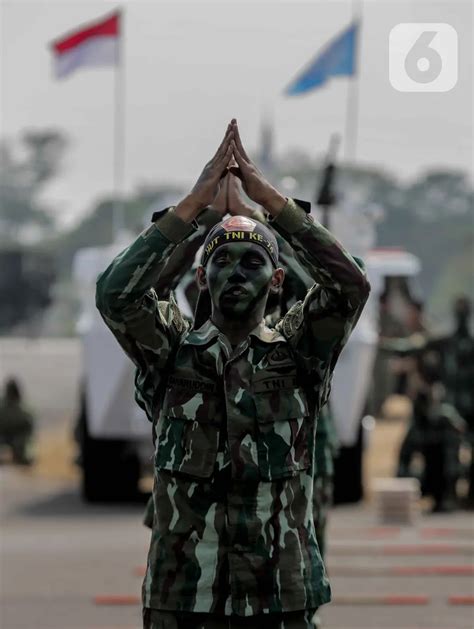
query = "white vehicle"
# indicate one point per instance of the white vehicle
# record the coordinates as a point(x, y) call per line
point(115, 436)
point(352, 378)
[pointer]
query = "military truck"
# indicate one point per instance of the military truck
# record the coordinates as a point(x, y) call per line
point(351, 402)
point(113, 432)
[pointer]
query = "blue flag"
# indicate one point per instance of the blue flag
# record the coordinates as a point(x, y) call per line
point(338, 58)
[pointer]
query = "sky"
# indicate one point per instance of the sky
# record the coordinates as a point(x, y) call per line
point(190, 67)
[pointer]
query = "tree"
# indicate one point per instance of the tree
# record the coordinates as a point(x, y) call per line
point(23, 175)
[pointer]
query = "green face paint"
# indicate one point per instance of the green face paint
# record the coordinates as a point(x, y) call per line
point(239, 277)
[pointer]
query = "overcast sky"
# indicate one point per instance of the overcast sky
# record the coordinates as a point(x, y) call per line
point(190, 67)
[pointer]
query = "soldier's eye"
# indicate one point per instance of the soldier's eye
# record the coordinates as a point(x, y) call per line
point(220, 260)
point(254, 261)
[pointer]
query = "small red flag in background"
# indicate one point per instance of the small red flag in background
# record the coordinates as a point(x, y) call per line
point(94, 45)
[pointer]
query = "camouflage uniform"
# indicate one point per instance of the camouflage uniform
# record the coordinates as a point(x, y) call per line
point(234, 460)
point(297, 283)
point(326, 448)
point(443, 430)
point(414, 347)
point(155, 619)
point(455, 356)
point(436, 424)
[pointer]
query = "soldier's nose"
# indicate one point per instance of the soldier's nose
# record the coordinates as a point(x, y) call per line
point(237, 275)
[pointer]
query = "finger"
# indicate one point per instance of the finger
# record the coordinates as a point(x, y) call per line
point(223, 161)
point(243, 165)
point(222, 191)
point(238, 141)
point(219, 168)
point(223, 145)
point(223, 148)
point(235, 186)
point(237, 172)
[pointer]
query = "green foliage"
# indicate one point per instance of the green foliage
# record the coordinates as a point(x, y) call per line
point(430, 217)
point(22, 178)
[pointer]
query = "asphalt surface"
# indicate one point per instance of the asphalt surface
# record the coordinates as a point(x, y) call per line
point(58, 555)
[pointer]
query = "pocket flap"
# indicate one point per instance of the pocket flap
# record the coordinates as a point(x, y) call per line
point(281, 405)
point(185, 404)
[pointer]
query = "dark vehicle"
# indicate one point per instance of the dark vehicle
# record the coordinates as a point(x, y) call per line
point(26, 278)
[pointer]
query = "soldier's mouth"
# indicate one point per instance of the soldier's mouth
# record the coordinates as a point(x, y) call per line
point(234, 291)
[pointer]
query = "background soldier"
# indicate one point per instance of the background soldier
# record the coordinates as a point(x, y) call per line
point(16, 423)
point(454, 355)
point(440, 386)
point(233, 405)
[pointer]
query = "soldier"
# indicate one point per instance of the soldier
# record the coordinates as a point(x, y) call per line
point(296, 284)
point(233, 405)
point(443, 428)
point(438, 419)
point(16, 423)
point(454, 354)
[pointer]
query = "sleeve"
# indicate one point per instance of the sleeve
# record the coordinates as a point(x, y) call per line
point(184, 255)
point(318, 327)
point(146, 327)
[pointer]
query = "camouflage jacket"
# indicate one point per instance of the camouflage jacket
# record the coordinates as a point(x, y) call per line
point(234, 459)
point(296, 284)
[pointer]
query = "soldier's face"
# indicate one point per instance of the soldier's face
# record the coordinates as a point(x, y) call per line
point(239, 277)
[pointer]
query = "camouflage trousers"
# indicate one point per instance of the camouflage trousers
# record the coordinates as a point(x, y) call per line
point(157, 619)
point(322, 502)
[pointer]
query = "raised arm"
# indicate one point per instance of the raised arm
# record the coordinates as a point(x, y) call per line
point(146, 327)
point(183, 256)
point(333, 304)
point(319, 326)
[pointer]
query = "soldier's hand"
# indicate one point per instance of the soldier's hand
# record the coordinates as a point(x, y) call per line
point(253, 181)
point(207, 186)
point(220, 203)
point(236, 202)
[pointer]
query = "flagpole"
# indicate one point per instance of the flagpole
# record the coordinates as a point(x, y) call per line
point(118, 218)
point(352, 102)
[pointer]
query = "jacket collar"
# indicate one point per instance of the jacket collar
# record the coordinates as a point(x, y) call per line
point(209, 332)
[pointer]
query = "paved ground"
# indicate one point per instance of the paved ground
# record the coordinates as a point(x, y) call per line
point(57, 554)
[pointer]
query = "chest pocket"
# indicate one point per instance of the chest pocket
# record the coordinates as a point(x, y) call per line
point(189, 436)
point(284, 428)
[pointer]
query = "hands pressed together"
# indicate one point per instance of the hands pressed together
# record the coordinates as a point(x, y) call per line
point(220, 182)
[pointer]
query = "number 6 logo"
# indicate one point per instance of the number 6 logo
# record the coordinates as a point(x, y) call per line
point(423, 57)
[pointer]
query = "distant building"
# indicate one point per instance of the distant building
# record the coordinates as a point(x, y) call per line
point(266, 159)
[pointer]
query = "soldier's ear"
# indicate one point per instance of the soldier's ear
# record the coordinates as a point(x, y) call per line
point(201, 278)
point(277, 280)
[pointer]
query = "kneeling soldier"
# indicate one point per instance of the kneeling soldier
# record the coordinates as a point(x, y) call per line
point(233, 406)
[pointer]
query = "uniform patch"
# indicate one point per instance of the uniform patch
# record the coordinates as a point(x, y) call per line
point(279, 356)
point(192, 384)
point(275, 384)
point(239, 223)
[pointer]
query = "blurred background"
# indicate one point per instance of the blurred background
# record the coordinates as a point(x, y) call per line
point(108, 112)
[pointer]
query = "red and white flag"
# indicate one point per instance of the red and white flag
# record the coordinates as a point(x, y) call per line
point(93, 45)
